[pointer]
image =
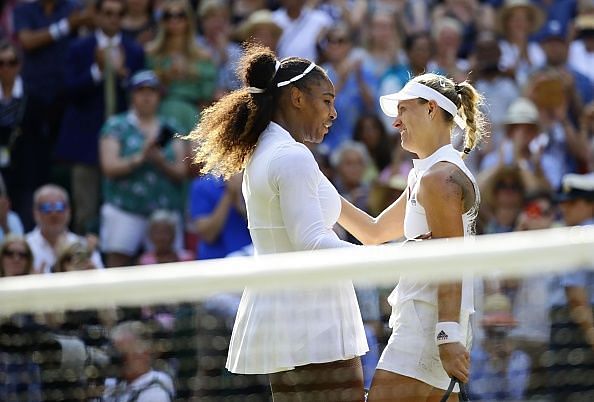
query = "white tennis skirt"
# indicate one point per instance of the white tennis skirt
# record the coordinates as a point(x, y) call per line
point(411, 349)
point(280, 330)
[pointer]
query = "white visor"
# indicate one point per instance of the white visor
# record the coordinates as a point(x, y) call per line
point(414, 90)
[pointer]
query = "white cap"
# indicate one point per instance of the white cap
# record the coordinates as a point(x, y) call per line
point(414, 90)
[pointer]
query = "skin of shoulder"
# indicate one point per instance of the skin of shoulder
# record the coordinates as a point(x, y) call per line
point(445, 193)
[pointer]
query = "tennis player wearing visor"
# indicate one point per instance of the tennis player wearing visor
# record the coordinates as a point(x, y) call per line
point(430, 323)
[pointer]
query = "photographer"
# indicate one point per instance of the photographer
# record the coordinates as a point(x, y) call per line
point(136, 380)
point(144, 168)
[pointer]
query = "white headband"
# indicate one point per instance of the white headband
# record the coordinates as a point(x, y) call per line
point(254, 90)
point(299, 76)
point(414, 90)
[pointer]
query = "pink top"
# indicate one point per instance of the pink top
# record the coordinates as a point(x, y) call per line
point(149, 257)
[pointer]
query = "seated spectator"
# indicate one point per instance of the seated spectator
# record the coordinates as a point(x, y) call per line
point(75, 256)
point(16, 257)
point(51, 206)
point(350, 161)
point(161, 232)
point(218, 213)
point(143, 166)
point(499, 371)
point(503, 192)
point(137, 380)
point(9, 220)
point(185, 69)
point(19, 375)
point(369, 130)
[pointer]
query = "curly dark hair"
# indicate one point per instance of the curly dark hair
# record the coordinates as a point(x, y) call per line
point(228, 131)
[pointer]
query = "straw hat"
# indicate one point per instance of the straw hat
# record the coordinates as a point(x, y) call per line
point(536, 14)
point(522, 111)
point(584, 22)
point(257, 19)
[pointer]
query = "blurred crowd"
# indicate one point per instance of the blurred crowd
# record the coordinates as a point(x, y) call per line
point(96, 96)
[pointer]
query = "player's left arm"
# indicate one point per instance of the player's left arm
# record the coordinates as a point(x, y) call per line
point(446, 193)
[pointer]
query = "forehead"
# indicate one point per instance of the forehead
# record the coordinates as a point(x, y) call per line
point(51, 195)
point(321, 86)
point(112, 4)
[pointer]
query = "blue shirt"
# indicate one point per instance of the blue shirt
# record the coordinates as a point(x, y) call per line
point(43, 68)
point(487, 383)
point(583, 278)
point(349, 105)
point(205, 194)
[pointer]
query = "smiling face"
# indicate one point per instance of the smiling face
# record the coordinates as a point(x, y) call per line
point(317, 112)
point(412, 121)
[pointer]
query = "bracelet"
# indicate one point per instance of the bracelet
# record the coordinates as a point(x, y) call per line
point(447, 332)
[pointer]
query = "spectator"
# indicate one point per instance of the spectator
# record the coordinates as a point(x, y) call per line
point(572, 297)
point(301, 26)
point(218, 214)
point(350, 162)
point(97, 70)
point(530, 296)
point(355, 86)
point(523, 147)
point(503, 190)
point(260, 28)
point(20, 162)
point(75, 256)
point(581, 50)
point(383, 43)
point(498, 88)
point(587, 132)
point(20, 375)
point(184, 68)
point(52, 215)
point(447, 35)
point(370, 131)
point(138, 22)
point(144, 169)
point(10, 223)
point(499, 371)
point(215, 21)
point(137, 381)
point(578, 87)
point(45, 29)
point(16, 257)
point(517, 20)
point(162, 227)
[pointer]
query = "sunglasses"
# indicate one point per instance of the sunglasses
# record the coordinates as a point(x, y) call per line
point(508, 186)
point(337, 41)
point(49, 207)
point(168, 15)
point(9, 63)
point(14, 253)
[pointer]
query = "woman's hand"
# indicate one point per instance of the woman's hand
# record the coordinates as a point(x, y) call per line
point(455, 360)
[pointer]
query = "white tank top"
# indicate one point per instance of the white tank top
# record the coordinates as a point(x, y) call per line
point(415, 224)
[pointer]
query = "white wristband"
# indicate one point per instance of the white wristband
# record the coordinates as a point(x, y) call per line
point(54, 31)
point(447, 332)
point(64, 26)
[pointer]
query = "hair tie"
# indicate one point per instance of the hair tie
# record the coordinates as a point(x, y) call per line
point(255, 90)
point(467, 150)
point(457, 88)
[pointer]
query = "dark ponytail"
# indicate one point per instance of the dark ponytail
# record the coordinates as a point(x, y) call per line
point(228, 131)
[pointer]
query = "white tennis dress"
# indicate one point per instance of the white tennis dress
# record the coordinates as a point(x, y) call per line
point(292, 206)
point(411, 349)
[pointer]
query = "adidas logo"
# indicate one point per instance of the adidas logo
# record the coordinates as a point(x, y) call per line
point(442, 336)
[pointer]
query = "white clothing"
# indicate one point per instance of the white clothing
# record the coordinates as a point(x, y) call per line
point(44, 256)
point(300, 36)
point(154, 386)
point(124, 232)
point(580, 59)
point(291, 206)
point(510, 55)
point(416, 339)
